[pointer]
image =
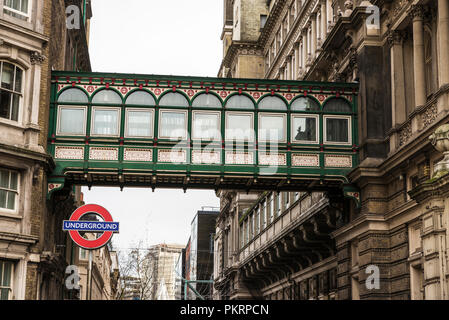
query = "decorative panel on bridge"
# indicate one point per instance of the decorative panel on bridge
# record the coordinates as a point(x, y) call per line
point(191, 132)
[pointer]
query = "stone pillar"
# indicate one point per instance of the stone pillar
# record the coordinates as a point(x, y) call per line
point(314, 35)
point(323, 21)
point(330, 16)
point(297, 61)
point(397, 78)
point(418, 55)
point(343, 268)
point(443, 41)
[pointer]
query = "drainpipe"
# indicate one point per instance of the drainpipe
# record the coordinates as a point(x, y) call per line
point(84, 11)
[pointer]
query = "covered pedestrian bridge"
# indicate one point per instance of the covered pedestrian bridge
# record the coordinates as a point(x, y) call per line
point(206, 133)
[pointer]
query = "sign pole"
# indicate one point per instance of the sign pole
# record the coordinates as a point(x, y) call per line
point(89, 277)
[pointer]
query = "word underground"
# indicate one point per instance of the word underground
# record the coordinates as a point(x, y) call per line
point(95, 226)
point(239, 309)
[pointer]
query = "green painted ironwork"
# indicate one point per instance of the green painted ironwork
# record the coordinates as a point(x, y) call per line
point(121, 160)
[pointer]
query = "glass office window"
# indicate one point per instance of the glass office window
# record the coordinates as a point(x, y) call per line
point(72, 121)
point(174, 99)
point(239, 102)
point(272, 103)
point(107, 96)
point(272, 127)
point(106, 121)
point(206, 125)
point(304, 128)
point(139, 123)
point(239, 126)
point(140, 98)
point(207, 100)
point(172, 124)
point(337, 130)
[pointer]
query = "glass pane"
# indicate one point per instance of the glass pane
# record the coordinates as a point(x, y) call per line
point(3, 197)
point(337, 105)
point(271, 102)
point(239, 126)
point(15, 107)
point(6, 274)
point(106, 122)
point(7, 75)
point(4, 179)
point(141, 98)
point(239, 102)
point(5, 104)
point(174, 99)
point(11, 201)
point(4, 294)
point(305, 104)
point(304, 129)
point(73, 95)
point(207, 100)
point(205, 126)
point(71, 121)
point(139, 123)
point(24, 8)
point(337, 130)
point(271, 128)
point(18, 81)
point(173, 124)
point(13, 181)
point(107, 96)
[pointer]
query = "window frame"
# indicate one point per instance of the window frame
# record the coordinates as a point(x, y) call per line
point(92, 128)
point(186, 120)
point(127, 110)
point(284, 119)
point(217, 113)
point(230, 113)
point(293, 131)
point(13, 90)
point(340, 117)
point(11, 276)
point(58, 120)
point(21, 13)
point(17, 192)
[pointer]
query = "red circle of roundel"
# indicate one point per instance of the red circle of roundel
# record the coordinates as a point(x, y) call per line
point(91, 244)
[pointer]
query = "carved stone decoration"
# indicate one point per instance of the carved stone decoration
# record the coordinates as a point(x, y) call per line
point(272, 159)
point(305, 160)
point(132, 154)
point(440, 140)
point(173, 156)
point(338, 161)
point(239, 158)
point(76, 153)
point(106, 154)
point(37, 58)
point(405, 134)
point(349, 5)
point(429, 116)
point(199, 156)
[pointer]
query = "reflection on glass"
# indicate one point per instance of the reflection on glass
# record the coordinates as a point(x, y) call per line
point(72, 95)
point(141, 98)
point(271, 128)
point(173, 124)
point(337, 105)
point(337, 130)
point(239, 102)
point(71, 121)
point(304, 128)
point(205, 126)
point(107, 96)
point(239, 127)
point(139, 123)
point(305, 104)
point(106, 122)
point(207, 100)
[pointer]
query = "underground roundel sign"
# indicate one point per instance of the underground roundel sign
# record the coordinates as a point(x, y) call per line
point(74, 226)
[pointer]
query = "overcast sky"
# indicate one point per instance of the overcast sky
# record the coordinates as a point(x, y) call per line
point(170, 37)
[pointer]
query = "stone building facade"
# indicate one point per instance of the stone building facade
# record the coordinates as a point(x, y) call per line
point(33, 41)
point(320, 246)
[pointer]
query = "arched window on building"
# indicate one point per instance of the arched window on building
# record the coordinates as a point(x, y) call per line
point(140, 97)
point(207, 100)
point(72, 111)
point(10, 90)
point(174, 99)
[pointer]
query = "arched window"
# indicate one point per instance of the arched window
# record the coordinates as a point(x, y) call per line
point(141, 98)
point(337, 105)
point(174, 99)
point(272, 103)
point(73, 95)
point(305, 104)
point(10, 90)
point(207, 100)
point(107, 96)
point(239, 102)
